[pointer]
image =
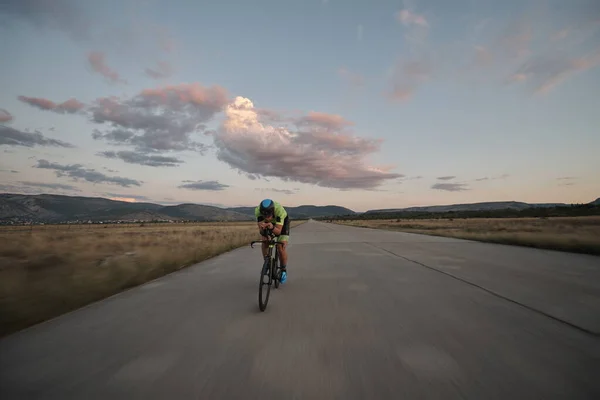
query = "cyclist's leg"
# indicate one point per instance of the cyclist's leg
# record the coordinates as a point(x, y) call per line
point(283, 256)
point(265, 246)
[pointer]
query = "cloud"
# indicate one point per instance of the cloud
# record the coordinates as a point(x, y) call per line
point(5, 116)
point(545, 72)
point(407, 76)
point(77, 172)
point(38, 188)
point(567, 180)
point(164, 70)
point(134, 37)
point(159, 119)
point(97, 61)
point(284, 191)
point(318, 155)
point(493, 178)
point(131, 198)
point(450, 187)
point(541, 46)
point(70, 106)
point(64, 15)
point(446, 178)
point(416, 28)
point(203, 185)
point(14, 137)
point(324, 120)
point(51, 186)
point(132, 157)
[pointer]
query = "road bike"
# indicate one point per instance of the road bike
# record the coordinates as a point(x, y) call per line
point(271, 271)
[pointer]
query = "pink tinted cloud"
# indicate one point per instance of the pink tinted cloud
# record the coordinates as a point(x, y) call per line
point(317, 156)
point(546, 72)
point(407, 77)
point(98, 63)
point(324, 120)
point(177, 96)
point(70, 106)
point(5, 116)
point(159, 119)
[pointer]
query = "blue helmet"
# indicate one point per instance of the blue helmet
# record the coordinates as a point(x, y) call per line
point(267, 207)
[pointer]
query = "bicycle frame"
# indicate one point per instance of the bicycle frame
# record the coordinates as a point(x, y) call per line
point(270, 269)
point(273, 240)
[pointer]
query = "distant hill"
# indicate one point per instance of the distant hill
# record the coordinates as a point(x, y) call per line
point(596, 202)
point(51, 208)
point(57, 208)
point(303, 212)
point(484, 206)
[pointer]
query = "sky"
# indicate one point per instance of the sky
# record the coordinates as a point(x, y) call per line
point(362, 104)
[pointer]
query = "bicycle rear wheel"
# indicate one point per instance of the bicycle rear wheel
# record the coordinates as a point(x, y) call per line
point(265, 280)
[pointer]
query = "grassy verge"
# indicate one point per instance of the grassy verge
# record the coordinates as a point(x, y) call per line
point(572, 234)
point(49, 270)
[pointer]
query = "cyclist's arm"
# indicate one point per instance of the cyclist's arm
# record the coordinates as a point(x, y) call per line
point(280, 215)
point(259, 218)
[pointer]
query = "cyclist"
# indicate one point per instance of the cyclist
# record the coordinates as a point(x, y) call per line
point(272, 216)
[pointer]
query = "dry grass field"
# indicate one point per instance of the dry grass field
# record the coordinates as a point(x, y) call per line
point(48, 270)
point(573, 234)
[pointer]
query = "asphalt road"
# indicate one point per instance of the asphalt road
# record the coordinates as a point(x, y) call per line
point(365, 314)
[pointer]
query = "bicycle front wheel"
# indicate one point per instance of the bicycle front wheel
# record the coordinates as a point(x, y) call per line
point(264, 287)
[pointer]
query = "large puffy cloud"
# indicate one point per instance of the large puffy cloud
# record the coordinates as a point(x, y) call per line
point(313, 148)
point(77, 172)
point(159, 119)
point(70, 106)
point(317, 156)
point(13, 137)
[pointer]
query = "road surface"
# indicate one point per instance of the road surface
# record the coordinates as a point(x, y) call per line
point(366, 314)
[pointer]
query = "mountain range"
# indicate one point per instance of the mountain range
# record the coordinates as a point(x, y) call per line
point(52, 208)
point(484, 206)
